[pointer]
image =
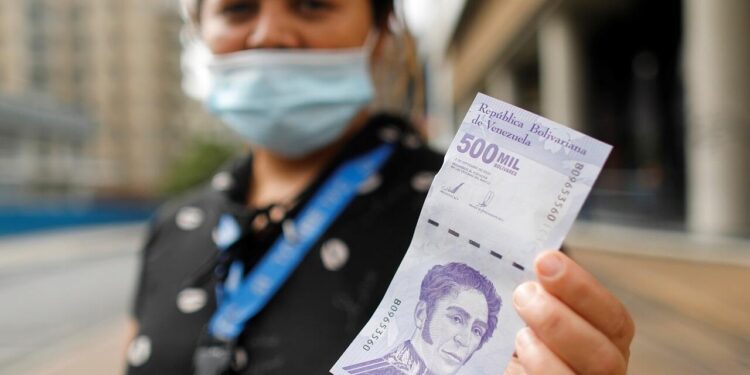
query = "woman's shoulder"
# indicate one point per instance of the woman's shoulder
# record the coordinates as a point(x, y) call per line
point(399, 189)
point(413, 151)
point(201, 205)
point(188, 205)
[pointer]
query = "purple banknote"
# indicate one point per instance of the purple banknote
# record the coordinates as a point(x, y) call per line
point(510, 187)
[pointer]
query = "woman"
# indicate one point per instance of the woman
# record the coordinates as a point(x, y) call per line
point(292, 77)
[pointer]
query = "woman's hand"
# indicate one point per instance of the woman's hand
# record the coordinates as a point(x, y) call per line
point(575, 326)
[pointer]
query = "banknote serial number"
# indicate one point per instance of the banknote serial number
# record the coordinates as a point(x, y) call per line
point(382, 326)
point(564, 193)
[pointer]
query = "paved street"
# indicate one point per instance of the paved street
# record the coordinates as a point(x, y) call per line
point(61, 288)
point(68, 295)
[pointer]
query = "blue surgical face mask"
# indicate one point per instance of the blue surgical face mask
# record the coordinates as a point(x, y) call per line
point(291, 102)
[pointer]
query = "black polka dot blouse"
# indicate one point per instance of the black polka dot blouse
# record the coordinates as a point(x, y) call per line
point(314, 316)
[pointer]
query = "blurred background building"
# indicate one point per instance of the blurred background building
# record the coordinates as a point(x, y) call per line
point(666, 227)
point(665, 83)
point(42, 149)
point(117, 64)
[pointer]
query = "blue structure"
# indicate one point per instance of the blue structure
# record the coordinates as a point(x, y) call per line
point(25, 219)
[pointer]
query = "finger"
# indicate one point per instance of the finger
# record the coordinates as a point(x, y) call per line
point(579, 344)
point(514, 367)
point(578, 289)
point(536, 358)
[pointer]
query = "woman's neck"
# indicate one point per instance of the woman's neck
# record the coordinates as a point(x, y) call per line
point(279, 180)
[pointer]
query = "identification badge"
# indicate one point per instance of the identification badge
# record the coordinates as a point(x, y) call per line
point(510, 187)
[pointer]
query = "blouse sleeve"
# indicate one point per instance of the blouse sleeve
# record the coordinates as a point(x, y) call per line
point(136, 308)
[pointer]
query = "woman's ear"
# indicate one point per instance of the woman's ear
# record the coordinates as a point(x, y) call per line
point(190, 10)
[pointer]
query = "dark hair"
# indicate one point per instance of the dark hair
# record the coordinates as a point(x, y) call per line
point(453, 278)
point(381, 10)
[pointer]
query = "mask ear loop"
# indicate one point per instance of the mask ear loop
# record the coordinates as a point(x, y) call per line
point(371, 42)
point(195, 55)
point(400, 53)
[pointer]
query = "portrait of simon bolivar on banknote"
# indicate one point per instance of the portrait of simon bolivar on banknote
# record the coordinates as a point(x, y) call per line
point(456, 314)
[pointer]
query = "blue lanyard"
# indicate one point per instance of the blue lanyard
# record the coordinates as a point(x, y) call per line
point(241, 299)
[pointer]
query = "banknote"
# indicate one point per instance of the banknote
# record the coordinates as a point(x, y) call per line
point(510, 186)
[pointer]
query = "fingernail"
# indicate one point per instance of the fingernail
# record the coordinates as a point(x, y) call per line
point(524, 294)
point(550, 265)
point(522, 338)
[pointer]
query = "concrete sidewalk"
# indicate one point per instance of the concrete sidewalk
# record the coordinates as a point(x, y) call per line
point(691, 317)
point(97, 351)
point(689, 295)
